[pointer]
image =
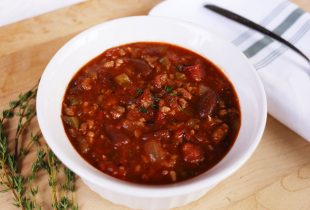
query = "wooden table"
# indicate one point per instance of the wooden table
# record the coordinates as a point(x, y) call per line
point(277, 177)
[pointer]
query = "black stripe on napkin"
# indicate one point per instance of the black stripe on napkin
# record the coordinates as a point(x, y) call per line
point(276, 53)
point(279, 30)
point(273, 14)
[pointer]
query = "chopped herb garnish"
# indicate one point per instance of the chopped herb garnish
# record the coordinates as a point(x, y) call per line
point(168, 89)
point(154, 106)
point(143, 109)
point(139, 92)
point(180, 76)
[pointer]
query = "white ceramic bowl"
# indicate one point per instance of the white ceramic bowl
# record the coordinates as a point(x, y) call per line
point(92, 42)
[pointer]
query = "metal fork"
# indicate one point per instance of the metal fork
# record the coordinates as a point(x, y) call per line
point(252, 25)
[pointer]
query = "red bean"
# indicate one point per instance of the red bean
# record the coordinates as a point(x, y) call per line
point(207, 104)
point(117, 137)
point(140, 66)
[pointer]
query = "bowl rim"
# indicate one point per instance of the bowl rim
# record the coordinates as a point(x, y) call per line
point(140, 190)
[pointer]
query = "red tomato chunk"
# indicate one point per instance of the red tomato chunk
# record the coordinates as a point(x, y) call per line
point(151, 113)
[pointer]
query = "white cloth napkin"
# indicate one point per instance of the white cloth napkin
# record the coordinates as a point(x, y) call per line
point(15, 10)
point(285, 75)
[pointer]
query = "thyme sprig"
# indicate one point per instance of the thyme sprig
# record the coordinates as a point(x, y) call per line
point(21, 182)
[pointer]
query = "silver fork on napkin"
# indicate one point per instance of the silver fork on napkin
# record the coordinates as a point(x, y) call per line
point(254, 26)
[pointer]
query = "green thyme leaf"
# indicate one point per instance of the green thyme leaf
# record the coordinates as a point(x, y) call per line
point(13, 104)
point(139, 92)
point(12, 171)
point(154, 106)
point(143, 110)
point(8, 113)
point(168, 89)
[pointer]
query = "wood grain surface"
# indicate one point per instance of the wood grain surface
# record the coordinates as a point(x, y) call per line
point(277, 176)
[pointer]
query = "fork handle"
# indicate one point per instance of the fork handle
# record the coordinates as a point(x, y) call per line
point(252, 25)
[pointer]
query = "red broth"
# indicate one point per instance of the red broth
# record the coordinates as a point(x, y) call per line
point(151, 113)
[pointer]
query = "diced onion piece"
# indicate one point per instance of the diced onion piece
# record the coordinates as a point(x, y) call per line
point(122, 79)
point(203, 89)
point(72, 121)
point(207, 104)
point(166, 62)
point(180, 76)
point(73, 101)
point(154, 150)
